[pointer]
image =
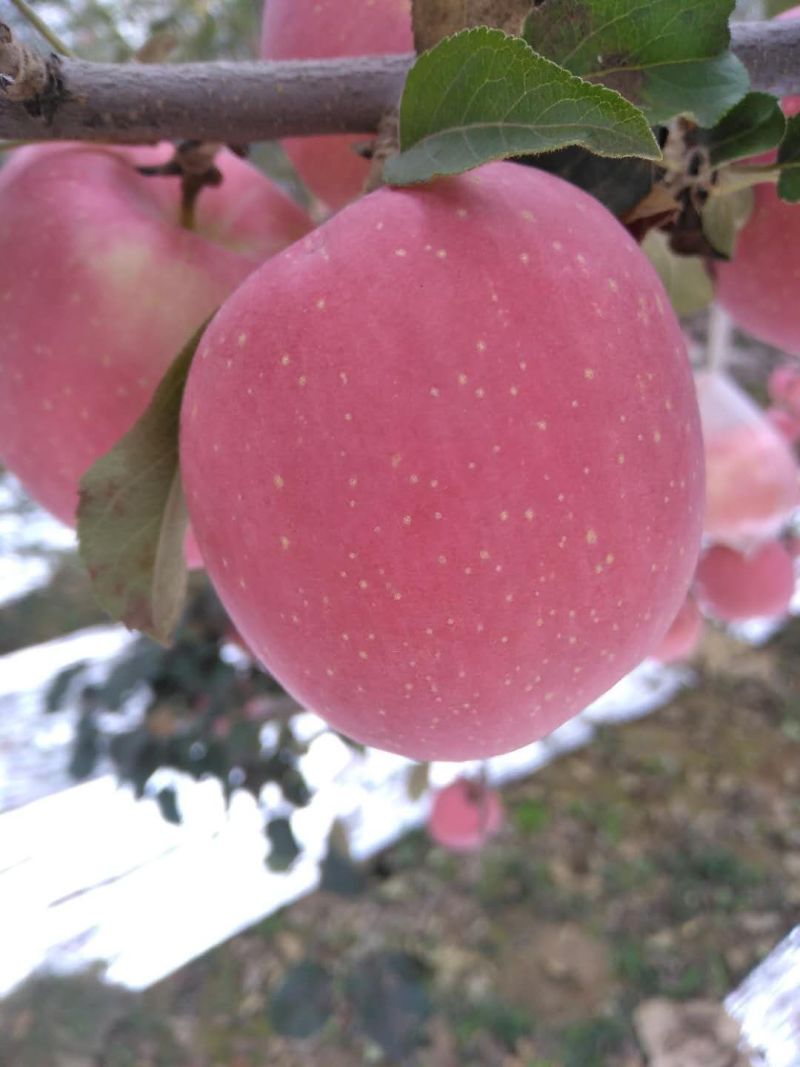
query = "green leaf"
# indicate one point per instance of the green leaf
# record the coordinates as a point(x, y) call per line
point(132, 516)
point(482, 95)
point(789, 162)
point(754, 125)
point(685, 278)
point(667, 56)
point(724, 214)
point(706, 90)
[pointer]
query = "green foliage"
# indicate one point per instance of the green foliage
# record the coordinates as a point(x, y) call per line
point(591, 1043)
point(667, 57)
point(504, 1021)
point(789, 162)
point(482, 95)
point(132, 517)
point(754, 125)
point(530, 816)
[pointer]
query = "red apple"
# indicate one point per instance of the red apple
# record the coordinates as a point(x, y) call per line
point(735, 587)
point(465, 815)
point(100, 287)
point(444, 462)
point(758, 287)
point(751, 474)
point(324, 29)
point(683, 636)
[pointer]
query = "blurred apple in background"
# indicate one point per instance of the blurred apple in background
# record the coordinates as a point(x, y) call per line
point(752, 483)
point(324, 29)
point(465, 815)
point(735, 587)
point(101, 287)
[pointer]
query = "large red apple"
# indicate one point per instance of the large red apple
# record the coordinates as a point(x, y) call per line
point(100, 287)
point(752, 484)
point(735, 587)
point(464, 815)
point(444, 462)
point(324, 29)
point(758, 288)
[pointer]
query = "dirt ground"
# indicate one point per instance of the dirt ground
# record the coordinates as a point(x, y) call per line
point(663, 861)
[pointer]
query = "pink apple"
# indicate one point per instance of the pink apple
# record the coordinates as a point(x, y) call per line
point(751, 474)
point(683, 636)
point(735, 587)
point(444, 463)
point(324, 29)
point(100, 287)
point(464, 815)
point(783, 386)
point(758, 287)
point(787, 424)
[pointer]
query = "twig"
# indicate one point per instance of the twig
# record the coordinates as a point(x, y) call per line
point(42, 28)
point(245, 102)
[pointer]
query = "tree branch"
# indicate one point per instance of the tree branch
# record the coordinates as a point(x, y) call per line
point(243, 102)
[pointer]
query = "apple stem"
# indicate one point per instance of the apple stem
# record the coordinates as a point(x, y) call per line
point(720, 330)
point(43, 29)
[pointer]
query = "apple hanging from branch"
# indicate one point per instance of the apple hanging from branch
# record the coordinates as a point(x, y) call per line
point(444, 463)
point(101, 285)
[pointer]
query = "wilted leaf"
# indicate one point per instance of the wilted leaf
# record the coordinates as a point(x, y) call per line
point(755, 125)
point(435, 19)
point(481, 95)
point(303, 1002)
point(658, 208)
point(132, 517)
point(685, 278)
point(724, 215)
point(388, 992)
point(666, 56)
point(789, 162)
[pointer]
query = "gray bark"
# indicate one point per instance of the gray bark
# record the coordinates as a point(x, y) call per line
point(244, 102)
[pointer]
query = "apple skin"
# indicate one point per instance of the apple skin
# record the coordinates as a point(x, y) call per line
point(464, 815)
point(752, 484)
point(444, 463)
point(100, 287)
point(682, 638)
point(734, 587)
point(324, 29)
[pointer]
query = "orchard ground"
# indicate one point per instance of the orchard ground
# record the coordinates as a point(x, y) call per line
point(662, 860)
